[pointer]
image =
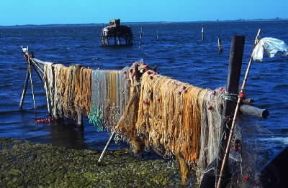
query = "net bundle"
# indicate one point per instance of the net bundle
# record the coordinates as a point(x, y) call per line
point(109, 97)
point(174, 118)
point(169, 116)
point(68, 90)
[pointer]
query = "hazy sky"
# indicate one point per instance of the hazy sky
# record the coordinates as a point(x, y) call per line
point(14, 12)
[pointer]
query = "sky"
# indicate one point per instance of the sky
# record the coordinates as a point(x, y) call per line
point(18, 12)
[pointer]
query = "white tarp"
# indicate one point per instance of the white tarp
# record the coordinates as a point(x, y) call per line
point(270, 46)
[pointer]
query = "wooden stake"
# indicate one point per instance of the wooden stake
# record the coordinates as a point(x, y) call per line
point(40, 71)
point(157, 35)
point(219, 44)
point(106, 146)
point(79, 119)
point(37, 66)
point(235, 63)
point(202, 33)
point(140, 36)
point(37, 72)
point(31, 82)
point(24, 89)
point(141, 32)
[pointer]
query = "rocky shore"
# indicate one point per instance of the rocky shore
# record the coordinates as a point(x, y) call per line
point(26, 164)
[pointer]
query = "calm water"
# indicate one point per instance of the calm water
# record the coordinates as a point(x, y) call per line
point(178, 53)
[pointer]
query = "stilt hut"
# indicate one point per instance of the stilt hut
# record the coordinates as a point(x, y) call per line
point(115, 34)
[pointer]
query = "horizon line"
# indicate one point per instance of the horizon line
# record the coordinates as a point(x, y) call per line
point(147, 22)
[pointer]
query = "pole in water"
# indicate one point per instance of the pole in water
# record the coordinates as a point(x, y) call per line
point(141, 32)
point(79, 118)
point(157, 36)
point(219, 45)
point(140, 36)
point(27, 56)
point(31, 83)
point(202, 33)
point(106, 146)
point(24, 89)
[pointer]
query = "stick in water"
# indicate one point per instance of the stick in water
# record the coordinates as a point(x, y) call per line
point(31, 81)
point(24, 89)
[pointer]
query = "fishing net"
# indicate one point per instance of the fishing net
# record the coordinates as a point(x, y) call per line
point(49, 86)
point(110, 93)
point(174, 118)
point(83, 90)
point(60, 78)
point(68, 90)
point(125, 129)
point(147, 110)
point(211, 110)
point(169, 116)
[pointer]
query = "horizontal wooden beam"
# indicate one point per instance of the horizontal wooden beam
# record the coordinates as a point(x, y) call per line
point(254, 111)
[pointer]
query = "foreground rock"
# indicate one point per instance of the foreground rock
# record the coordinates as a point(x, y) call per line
point(24, 164)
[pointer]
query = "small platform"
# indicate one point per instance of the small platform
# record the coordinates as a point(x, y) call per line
point(116, 35)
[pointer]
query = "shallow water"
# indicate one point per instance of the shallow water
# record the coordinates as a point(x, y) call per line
point(178, 52)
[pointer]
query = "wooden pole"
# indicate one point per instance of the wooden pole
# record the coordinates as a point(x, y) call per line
point(37, 72)
point(253, 111)
point(140, 36)
point(219, 44)
point(79, 118)
point(157, 35)
point(106, 146)
point(141, 33)
point(31, 82)
point(223, 167)
point(202, 33)
point(36, 64)
point(235, 63)
point(24, 89)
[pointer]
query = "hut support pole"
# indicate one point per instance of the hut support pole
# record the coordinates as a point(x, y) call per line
point(235, 63)
point(106, 146)
point(24, 89)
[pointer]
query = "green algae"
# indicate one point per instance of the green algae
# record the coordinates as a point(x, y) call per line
point(24, 164)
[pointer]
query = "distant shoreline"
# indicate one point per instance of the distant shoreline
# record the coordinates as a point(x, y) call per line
point(148, 22)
